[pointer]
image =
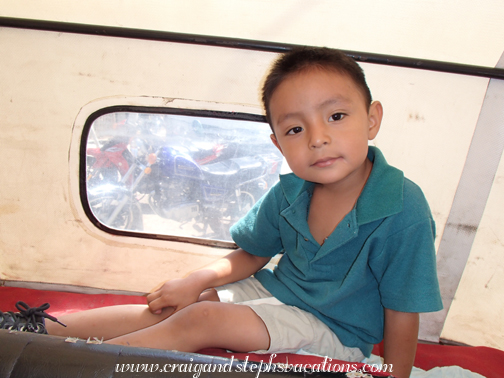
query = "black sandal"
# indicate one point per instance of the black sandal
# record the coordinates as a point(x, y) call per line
point(28, 319)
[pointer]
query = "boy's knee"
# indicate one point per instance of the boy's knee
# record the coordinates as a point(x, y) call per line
point(202, 312)
point(209, 295)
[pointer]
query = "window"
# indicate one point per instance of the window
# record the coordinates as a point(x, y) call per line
point(175, 174)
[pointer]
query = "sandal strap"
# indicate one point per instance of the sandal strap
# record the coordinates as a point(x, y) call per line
point(31, 319)
point(31, 312)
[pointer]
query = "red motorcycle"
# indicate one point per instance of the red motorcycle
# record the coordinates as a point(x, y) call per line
point(109, 163)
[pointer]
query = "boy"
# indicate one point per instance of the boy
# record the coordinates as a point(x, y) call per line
point(358, 260)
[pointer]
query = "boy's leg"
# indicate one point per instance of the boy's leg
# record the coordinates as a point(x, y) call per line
point(113, 321)
point(106, 322)
point(203, 325)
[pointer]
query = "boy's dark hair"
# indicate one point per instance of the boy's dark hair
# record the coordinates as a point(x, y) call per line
point(301, 58)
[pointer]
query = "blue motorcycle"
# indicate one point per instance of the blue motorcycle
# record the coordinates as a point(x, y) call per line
point(213, 195)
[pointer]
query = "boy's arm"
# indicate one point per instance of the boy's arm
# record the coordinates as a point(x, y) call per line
point(400, 341)
point(182, 292)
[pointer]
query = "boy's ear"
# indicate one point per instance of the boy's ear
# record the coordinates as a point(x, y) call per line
point(375, 116)
point(275, 142)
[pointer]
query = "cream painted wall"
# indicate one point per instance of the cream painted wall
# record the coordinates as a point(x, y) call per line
point(451, 30)
point(50, 77)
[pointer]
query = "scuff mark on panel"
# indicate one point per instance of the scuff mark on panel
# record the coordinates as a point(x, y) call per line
point(465, 228)
point(490, 279)
point(416, 117)
point(64, 195)
point(10, 208)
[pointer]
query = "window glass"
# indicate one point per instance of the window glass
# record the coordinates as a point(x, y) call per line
point(177, 175)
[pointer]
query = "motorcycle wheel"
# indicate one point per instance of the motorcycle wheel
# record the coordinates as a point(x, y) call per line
point(229, 213)
point(177, 192)
point(156, 205)
point(246, 201)
point(129, 217)
point(100, 176)
point(137, 217)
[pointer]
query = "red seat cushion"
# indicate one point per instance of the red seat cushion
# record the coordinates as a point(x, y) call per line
point(488, 362)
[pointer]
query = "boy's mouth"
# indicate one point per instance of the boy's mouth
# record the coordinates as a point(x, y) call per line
point(325, 162)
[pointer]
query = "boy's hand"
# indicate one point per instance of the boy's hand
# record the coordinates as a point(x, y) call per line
point(182, 292)
point(176, 293)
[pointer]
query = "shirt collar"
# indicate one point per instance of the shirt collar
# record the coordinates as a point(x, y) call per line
point(293, 186)
point(382, 195)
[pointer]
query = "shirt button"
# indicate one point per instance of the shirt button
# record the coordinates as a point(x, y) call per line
point(305, 239)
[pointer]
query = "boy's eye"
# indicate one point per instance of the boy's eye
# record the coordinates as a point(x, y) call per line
point(336, 117)
point(295, 130)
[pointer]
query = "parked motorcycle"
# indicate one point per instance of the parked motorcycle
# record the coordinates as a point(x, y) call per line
point(109, 163)
point(208, 181)
point(114, 170)
point(213, 195)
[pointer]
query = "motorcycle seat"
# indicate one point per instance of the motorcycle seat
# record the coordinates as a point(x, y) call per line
point(243, 168)
point(220, 169)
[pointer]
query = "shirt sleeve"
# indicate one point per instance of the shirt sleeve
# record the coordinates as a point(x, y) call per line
point(258, 231)
point(405, 268)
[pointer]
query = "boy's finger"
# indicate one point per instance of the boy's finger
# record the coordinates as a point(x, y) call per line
point(154, 307)
point(153, 296)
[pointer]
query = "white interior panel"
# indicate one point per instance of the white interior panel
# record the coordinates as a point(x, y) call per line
point(451, 31)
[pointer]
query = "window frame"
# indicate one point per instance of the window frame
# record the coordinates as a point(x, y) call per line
point(203, 113)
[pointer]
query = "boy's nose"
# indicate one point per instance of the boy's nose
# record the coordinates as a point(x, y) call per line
point(319, 137)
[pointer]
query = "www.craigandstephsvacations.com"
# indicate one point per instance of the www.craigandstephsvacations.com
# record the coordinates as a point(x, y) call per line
point(246, 366)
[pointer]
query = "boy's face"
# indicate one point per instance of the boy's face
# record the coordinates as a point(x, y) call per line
point(322, 126)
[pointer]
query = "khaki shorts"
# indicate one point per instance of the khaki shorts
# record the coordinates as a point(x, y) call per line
point(291, 329)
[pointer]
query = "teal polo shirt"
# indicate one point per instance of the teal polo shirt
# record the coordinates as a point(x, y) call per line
point(381, 255)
